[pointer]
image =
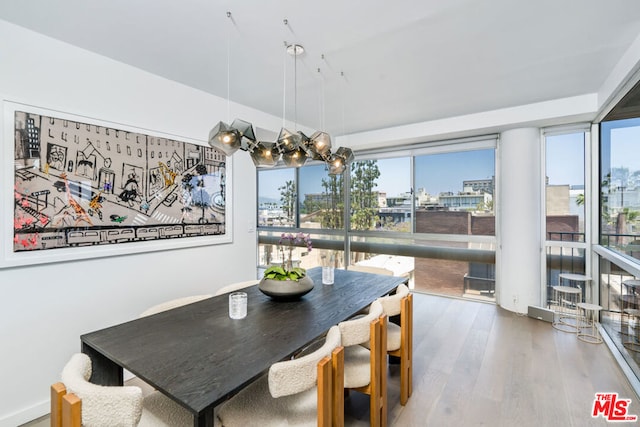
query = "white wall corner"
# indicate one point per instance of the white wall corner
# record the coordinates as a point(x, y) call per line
point(623, 76)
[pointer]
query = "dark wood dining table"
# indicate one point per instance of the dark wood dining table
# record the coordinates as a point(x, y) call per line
point(199, 357)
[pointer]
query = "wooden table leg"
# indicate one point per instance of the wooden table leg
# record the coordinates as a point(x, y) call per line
point(205, 419)
point(103, 370)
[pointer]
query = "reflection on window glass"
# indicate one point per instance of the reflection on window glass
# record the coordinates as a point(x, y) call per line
point(455, 193)
point(565, 187)
point(381, 195)
point(620, 186)
point(276, 198)
point(620, 300)
point(321, 198)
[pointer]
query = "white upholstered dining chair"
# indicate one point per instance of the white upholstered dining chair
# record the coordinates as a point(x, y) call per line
point(365, 368)
point(400, 337)
point(236, 286)
point(370, 269)
point(178, 302)
point(77, 402)
point(306, 391)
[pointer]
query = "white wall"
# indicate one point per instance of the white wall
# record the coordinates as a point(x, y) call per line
point(519, 199)
point(45, 308)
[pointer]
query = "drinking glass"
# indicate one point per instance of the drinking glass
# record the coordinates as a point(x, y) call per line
point(327, 275)
point(238, 305)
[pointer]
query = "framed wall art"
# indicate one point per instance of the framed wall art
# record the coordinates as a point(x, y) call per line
point(77, 187)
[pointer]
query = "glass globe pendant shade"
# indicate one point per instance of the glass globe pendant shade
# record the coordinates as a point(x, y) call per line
point(225, 138)
point(264, 154)
point(295, 158)
point(346, 154)
point(247, 135)
point(320, 145)
point(336, 164)
point(288, 141)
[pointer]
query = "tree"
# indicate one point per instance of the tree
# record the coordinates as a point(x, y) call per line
point(364, 201)
point(333, 202)
point(288, 199)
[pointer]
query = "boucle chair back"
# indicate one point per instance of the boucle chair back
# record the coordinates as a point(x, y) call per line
point(370, 269)
point(236, 286)
point(102, 406)
point(357, 331)
point(297, 375)
point(391, 304)
point(178, 302)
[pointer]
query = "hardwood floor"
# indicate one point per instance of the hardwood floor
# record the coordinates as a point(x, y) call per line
point(476, 364)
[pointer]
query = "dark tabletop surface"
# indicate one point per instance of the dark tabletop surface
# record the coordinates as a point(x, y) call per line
point(199, 356)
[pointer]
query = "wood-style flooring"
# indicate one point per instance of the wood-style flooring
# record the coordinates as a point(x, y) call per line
point(476, 364)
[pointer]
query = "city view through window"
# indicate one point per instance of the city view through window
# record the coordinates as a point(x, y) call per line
point(447, 194)
point(620, 232)
point(446, 201)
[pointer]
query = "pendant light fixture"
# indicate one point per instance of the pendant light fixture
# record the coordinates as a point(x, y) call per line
point(320, 141)
point(295, 148)
point(293, 145)
point(224, 137)
point(264, 154)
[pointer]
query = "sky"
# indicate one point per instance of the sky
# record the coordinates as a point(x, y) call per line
point(445, 172)
point(436, 173)
point(625, 141)
point(559, 149)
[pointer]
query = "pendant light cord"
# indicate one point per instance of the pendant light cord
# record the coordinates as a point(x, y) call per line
point(322, 105)
point(284, 85)
point(228, 66)
point(295, 87)
point(343, 92)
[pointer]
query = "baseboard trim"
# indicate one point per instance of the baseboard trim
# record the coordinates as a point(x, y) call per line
point(26, 415)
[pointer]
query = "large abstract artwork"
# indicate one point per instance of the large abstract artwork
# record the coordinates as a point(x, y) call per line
point(82, 184)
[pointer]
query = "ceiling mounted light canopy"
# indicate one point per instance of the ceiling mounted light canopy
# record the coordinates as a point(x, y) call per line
point(293, 147)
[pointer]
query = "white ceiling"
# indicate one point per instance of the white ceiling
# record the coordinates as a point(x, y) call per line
point(405, 61)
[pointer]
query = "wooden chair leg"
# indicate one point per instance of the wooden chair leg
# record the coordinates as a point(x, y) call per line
point(71, 411)
point(374, 385)
point(410, 348)
point(325, 401)
point(337, 411)
point(382, 366)
point(58, 390)
point(406, 349)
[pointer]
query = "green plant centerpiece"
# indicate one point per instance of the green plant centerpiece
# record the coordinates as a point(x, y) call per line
point(284, 281)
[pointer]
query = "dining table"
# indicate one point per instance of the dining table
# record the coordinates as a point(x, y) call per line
point(200, 357)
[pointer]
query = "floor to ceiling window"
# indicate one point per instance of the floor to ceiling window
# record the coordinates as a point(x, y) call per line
point(620, 186)
point(619, 248)
point(565, 204)
point(456, 194)
point(426, 209)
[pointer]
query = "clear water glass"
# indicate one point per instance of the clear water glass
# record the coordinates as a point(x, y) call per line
point(327, 275)
point(238, 305)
